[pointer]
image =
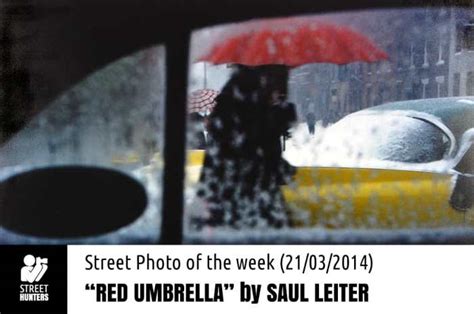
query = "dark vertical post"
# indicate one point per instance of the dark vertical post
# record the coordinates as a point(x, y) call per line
point(205, 75)
point(6, 82)
point(174, 150)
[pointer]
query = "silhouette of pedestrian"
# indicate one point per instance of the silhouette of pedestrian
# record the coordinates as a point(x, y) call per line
point(243, 167)
point(311, 121)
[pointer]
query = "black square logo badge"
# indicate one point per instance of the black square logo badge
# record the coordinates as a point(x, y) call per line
point(33, 279)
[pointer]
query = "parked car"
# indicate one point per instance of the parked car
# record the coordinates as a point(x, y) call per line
point(397, 165)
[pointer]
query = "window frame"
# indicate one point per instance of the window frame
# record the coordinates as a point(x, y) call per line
point(173, 233)
point(80, 26)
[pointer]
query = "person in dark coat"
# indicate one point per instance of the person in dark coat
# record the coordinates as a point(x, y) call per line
point(311, 121)
point(196, 125)
point(243, 168)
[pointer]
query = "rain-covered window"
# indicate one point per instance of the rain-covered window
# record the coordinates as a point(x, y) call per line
point(91, 160)
point(330, 127)
point(469, 35)
point(456, 84)
point(470, 83)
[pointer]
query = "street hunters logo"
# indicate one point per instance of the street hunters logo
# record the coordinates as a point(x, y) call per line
point(32, 273)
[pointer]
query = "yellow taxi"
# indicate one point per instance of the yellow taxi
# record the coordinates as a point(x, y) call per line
point(399, 165)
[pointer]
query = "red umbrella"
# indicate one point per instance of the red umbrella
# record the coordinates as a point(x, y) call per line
point(202, 100)
point(294, 42)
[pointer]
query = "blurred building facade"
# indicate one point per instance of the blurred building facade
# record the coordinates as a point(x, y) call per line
point(461, 56)
point(431, 55)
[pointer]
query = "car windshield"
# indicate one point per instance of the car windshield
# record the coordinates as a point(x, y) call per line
point(290, 126)
point(381, 137)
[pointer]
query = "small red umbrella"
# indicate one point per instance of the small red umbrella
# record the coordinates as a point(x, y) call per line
point(293, 42)
point(202, 100)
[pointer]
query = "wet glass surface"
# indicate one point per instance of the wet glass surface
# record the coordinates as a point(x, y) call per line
point(347, 127)
point(358, 140)
point(110, 128)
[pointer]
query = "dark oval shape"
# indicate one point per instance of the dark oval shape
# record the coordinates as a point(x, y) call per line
point(70, 201)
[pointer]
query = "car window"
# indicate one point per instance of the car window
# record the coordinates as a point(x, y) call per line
point(111, 120)
point(271, 148)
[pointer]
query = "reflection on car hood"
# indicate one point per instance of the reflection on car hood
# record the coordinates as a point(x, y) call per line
point(457, 113)
point(303, 150)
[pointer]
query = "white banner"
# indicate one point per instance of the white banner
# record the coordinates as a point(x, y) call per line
point(270, 279)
